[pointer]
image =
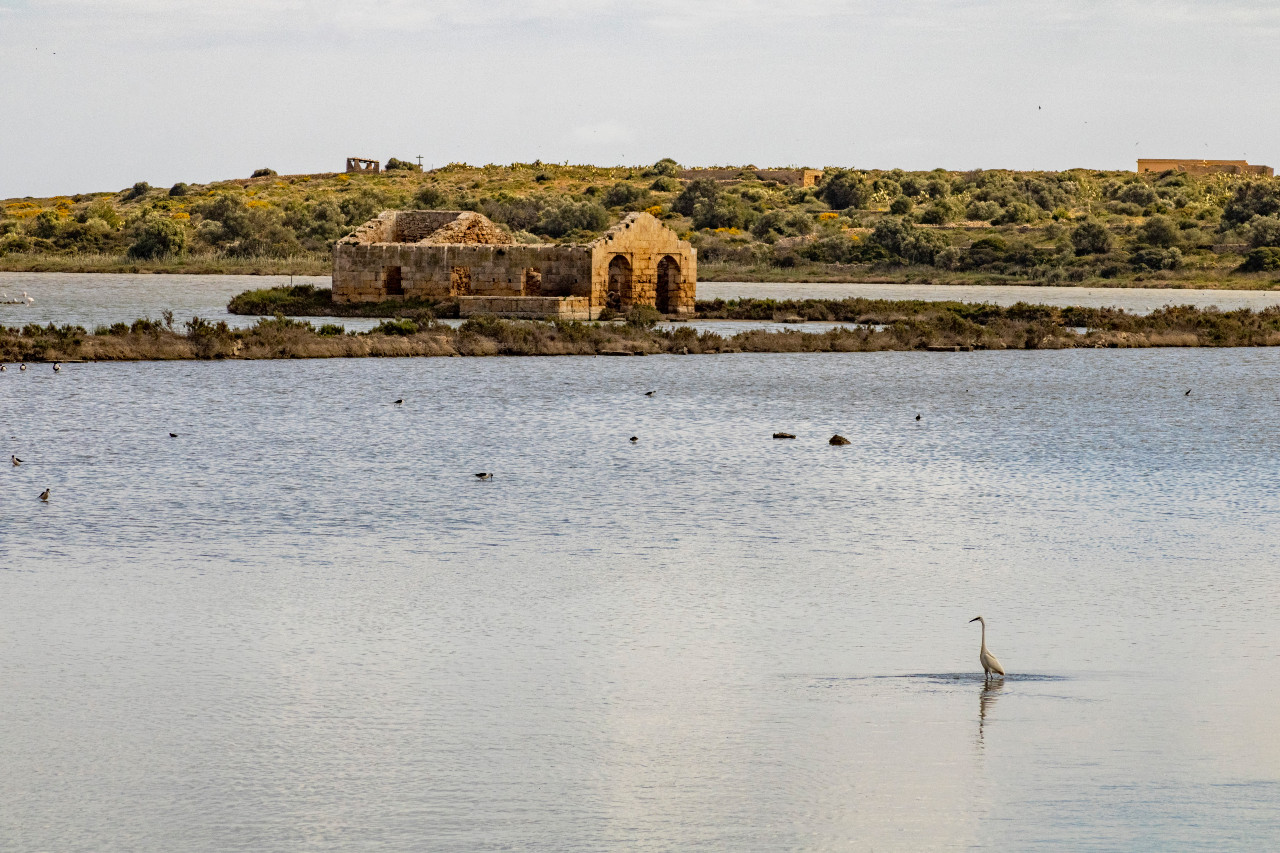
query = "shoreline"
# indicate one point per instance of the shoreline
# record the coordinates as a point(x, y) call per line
point(710, 273)
point(867, 326)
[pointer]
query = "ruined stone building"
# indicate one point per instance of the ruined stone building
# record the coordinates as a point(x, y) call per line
point(1205, 167)
point(355, 165)
point(443, 254)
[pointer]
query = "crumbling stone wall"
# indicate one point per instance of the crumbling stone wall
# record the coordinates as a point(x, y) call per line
point(646, 248)
point(1206, 167)
point(463, 254)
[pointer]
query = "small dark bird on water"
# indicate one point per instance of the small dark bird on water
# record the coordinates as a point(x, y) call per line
point(635, 438)
point(173, 435)
point(485, 476)
point(15, 460)
point(1188, 394)
point(44, 496)
point(650, 393)
point(917, 417)
point(399, 402)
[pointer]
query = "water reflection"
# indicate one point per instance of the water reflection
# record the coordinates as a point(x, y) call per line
point(987, 698)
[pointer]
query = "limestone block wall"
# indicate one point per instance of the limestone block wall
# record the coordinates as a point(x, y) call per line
point(414, 225)
point(430, 271)
point(644, 242)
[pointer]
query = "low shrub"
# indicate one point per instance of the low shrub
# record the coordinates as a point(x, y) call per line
point(264, 173)
point(403, 327)
point(1262, 259)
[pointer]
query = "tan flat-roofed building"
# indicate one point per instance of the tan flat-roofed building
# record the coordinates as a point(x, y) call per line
point(1205, 167)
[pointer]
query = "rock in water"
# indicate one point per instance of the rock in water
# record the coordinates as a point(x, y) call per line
point(839, 441)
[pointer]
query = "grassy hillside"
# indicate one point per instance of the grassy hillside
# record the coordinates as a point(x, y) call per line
point(1075, 227)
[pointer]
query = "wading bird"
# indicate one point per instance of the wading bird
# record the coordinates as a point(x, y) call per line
point(650, 393)
point(15, 460)
point(989, 662)
point(485, 476)
point(634, 439)
point(399, 402)
point(173, 435)
point(44, 496)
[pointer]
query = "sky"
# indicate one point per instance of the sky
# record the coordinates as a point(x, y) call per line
point(98, 94)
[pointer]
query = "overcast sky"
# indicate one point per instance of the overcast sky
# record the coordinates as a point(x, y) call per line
point(98, 94)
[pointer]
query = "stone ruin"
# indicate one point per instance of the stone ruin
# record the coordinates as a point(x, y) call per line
point(356, 165)
point(452, 254)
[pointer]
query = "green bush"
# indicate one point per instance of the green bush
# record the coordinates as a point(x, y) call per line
point(906, 241)
point(666, 167)
point(158, 238)
point(988, 250)
point(778, 223)
point(1136, 193)
point(1156, 259)
point(901, 206)
point(178, 189)
point(1264, 232)
point(329, 330)
point(843, 189)
point(264, 173)
point(1263, 259)
point(702, 191)
point(665, 184)
point(403, 328)
point(642, 316)
point(430, 197)
point(571, 216)
point(725, 211)
point(1255, 198)
point(939, 213)
point(395, 164)
point(622, 194)
point(138, 190)
point(1159, 231)
point(1091, 238)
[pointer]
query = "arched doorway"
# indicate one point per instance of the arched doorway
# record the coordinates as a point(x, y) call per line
point(619, 283)
point(668, 284)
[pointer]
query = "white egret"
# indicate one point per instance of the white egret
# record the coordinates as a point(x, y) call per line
point(989, 662)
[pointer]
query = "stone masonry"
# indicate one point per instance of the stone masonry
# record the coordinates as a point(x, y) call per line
point(443, 254)
point(1206, 167)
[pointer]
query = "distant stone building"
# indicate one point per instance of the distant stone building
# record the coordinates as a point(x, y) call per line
point(790, 177)
point(442, 254)
point(359, 164)
point(1205, 167)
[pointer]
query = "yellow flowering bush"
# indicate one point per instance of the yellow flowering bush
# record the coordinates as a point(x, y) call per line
point(828, 216)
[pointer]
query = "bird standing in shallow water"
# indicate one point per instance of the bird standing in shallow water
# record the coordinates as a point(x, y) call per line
point(485, 476)
point(44, 496)
point(650, 393)
point(399, 402)
point(1188, 394)
point(15, 460)
point(988, 660)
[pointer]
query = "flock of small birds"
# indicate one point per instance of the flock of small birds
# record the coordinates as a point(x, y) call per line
point(836, 440)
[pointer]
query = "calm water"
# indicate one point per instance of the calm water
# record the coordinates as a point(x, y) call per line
point(304, 625)
point(91, 300)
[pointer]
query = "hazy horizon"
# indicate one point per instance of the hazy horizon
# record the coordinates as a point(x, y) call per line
point(96, 98)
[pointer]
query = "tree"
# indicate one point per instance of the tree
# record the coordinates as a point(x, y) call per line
point(844, 189)
point(901, 206)
point(1264, 231)
point(264, 173)
point(395, 164)
point(1159, 231)
point(430, 197)
point(1091, 238)
point(666, 167)
point(158, 238)
point(1255, 198)
point(700, 191)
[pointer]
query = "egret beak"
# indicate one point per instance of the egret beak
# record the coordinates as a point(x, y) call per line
point(975, 619)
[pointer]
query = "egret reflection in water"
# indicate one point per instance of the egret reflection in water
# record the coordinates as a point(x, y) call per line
point(987, 697)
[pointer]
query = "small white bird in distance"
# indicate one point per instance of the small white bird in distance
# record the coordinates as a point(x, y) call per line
point(988, 660)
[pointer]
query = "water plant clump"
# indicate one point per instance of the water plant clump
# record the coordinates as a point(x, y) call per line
point(865, 325)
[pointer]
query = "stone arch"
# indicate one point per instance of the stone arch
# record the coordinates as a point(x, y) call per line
point(621, 280)
point(668, 284)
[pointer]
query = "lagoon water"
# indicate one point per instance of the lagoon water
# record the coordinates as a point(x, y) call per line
point(91, 300)
point(305, 625)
